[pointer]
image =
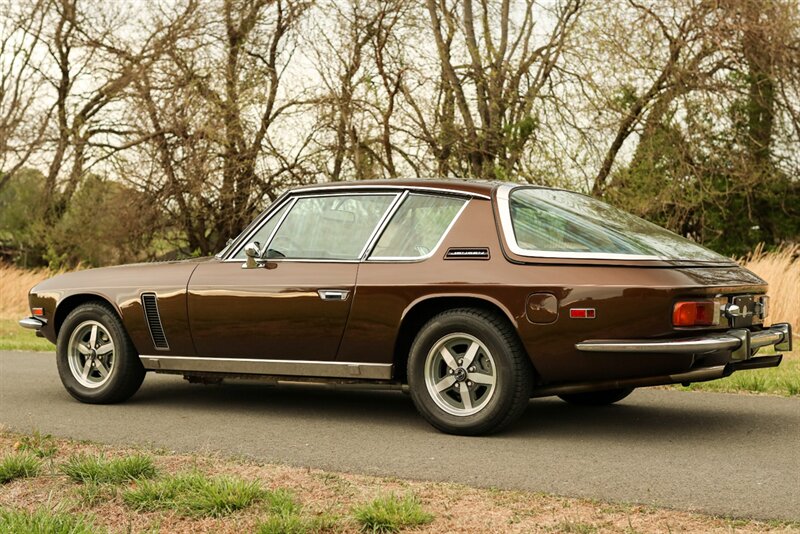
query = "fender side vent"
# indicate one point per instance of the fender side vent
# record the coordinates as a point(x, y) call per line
point(150, 306)
point(476, 253)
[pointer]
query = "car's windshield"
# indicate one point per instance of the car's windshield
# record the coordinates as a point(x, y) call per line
point(557, 221)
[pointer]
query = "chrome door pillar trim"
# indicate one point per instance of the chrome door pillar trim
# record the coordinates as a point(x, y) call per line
point(335, 369)
point(382, 224)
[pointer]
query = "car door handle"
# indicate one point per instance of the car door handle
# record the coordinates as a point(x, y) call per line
point(333, 294)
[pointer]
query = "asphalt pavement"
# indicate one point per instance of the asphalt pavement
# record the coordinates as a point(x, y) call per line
point(733, 455)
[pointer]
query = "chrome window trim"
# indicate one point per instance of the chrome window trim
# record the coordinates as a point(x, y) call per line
point(414, 259)
point(297, 260)
point(393, 207)
point(322, 369)
point(277, 226)
point(426, 189)
point(267, 216)
point(503, 195)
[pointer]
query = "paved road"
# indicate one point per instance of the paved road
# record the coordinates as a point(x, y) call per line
point(722, 454)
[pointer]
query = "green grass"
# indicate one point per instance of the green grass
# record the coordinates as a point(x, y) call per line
point(781, 380)
point(194, 494)
point(42, 446)
point(44, 522)
point(286, 517)
point(99, 470)
point(296, 524)
point(391, 514)
point(16, 466)
point(14, 337)
point(93, 493)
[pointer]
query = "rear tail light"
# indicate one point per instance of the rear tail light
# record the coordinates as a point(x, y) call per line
point(705, 312)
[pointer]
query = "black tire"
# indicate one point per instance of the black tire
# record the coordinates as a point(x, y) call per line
point(512, 372)
point(126, 372)
point(597, 398)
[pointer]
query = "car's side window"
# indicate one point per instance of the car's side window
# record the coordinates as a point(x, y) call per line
point(333, 227)
point(417, 227)
point(263, 233)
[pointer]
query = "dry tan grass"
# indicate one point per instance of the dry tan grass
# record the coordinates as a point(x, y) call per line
point(14, 286)
point(782, 270)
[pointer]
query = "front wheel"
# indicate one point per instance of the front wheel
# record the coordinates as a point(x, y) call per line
point(97, 362)
point(468, 373)
point(597, 398)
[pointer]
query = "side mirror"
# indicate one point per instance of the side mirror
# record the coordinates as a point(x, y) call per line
point(253, 253)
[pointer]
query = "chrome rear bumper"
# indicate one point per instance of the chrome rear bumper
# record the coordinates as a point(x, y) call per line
point(32, 323)
point(742, 343)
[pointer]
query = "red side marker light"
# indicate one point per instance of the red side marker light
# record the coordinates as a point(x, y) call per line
point(38, 312)
point(581, 313)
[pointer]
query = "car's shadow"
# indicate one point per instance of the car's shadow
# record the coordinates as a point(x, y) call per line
point(645, 416)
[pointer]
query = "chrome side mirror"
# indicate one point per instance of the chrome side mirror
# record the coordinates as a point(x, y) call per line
point(253, 253)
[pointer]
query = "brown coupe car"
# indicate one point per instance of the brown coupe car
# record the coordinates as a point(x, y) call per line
point(473, 296)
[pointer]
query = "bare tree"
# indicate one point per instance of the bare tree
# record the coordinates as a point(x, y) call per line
point(494, 69)
point(92, 69)
point(690, 60)
point(355, 51)
point(209, 108)
point(22, 117)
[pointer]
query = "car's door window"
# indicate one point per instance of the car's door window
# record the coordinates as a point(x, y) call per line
point(417, 228)
point(333, 227)
point(263, 233)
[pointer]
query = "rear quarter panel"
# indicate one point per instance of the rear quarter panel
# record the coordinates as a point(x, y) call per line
point(630, 302)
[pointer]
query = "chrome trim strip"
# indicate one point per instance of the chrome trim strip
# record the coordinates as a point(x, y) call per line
point(335, 369)
point(32, 323)
point(381, 226)
point(503, 194)
point(740, 341)
point(288, 200)
point(262, 261)
point(682, 346)
point(446, 191)
point(292, 202)
point(429, 254)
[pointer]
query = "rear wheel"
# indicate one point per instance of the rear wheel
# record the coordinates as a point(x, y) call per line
point(468, 373)
point(597, 398)
point(97, 362)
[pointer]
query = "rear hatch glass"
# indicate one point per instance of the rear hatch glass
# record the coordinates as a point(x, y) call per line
point(558, 223)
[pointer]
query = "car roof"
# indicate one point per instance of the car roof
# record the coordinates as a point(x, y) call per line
point(477, 188)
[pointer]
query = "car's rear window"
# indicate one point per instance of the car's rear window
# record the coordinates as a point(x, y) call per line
point(550, 222)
